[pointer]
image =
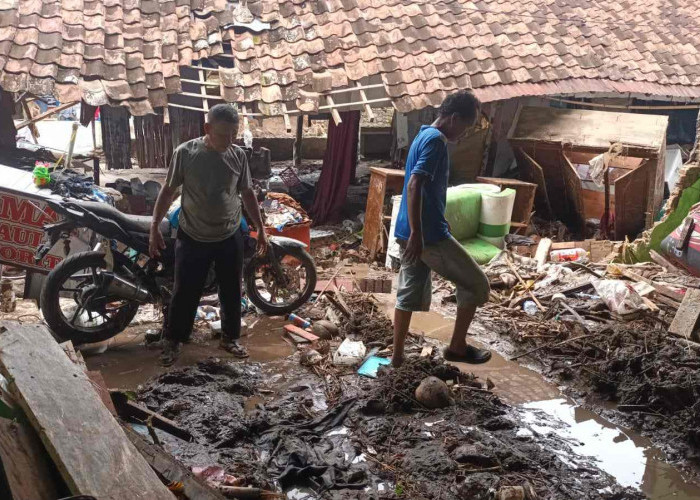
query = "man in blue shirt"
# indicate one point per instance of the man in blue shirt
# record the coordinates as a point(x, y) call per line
point(423, 232)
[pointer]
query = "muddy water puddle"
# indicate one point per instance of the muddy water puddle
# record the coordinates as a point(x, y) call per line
point(127, 362)
point(624, 454)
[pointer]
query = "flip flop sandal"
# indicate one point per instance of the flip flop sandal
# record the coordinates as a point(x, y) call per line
point(472, 355)
point(234, 348)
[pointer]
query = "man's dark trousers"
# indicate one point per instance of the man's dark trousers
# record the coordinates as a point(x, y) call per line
point(193, 260)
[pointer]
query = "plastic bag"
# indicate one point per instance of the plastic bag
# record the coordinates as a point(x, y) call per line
point(598, 166)
point(619, 296)
point(349, 353)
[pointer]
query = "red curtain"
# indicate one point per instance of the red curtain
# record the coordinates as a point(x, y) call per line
point(339, 163)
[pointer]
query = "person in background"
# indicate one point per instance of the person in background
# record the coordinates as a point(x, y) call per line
point(424, 235)
point(215, 178)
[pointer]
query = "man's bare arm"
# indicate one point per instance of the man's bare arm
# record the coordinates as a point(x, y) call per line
point(250, 202)
point(156, 243)
point(414, 193)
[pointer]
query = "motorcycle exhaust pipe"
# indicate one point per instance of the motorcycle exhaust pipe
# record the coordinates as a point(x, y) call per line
point(117, 286)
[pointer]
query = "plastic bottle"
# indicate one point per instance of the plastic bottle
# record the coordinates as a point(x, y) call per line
point(568, 255)
point(299, 321)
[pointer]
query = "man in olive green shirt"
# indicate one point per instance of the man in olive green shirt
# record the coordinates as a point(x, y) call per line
point(215, 179)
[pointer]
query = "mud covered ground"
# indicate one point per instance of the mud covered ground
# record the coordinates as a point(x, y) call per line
point(269, 426)
point(651, 378)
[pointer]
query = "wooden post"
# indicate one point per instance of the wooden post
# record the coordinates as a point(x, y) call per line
point(8, 132)
point(297, 141)
point(695, 154)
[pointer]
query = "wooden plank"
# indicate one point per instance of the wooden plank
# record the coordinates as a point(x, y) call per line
point(582, 128)
point(98, 383)
point(368, 108)
point(294, 329)
point(686, 319)
point(538, 178)
point(45, 114)
point(573, 188)
point(128, 409)
point(630, 202)
point(373, 214)
point(662, 289)
point(85, 442)
point(665, 263)
point(334, 112)
point(172, 470)
point(26, 464)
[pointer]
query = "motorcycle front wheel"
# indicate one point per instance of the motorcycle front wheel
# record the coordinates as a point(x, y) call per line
point(74, 305)
point(263, 286)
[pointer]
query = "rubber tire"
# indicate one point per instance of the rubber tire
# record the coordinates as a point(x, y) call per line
point(61, 330)
point(273, 310)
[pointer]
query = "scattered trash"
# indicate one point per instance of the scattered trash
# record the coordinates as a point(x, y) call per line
point(299, 321)
point(310, 357)
point(530, 307)
point(620, 296)
point(349, 353)
point(371, 366)
point(568, 255)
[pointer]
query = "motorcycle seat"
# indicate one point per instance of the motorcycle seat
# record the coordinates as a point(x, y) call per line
point(130, 223)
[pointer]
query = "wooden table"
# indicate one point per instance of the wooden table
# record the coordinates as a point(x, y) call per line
point(381, 182)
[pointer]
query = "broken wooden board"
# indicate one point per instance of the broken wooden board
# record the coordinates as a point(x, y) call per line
point(172, 470)
point(300, 332)
point(26, 463)
point(98, 383)
point(85, 442)
point(661, 289)
point(128, 409)
point(686, 319)
point(665, 263)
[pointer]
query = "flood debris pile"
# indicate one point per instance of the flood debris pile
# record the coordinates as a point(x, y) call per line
point(367, 321)
point(471, 448)
point(376, 442)
point(615, 333)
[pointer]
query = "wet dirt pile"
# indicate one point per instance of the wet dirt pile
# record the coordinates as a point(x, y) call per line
point(651, 376)
point(367, 321)
point(270, 428)
point(467, 450)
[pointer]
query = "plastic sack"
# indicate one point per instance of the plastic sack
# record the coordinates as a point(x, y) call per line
point(597, 171)
point(620, 296)
point(349, 353)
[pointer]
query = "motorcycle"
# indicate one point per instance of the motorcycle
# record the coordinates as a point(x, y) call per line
point(93, 295)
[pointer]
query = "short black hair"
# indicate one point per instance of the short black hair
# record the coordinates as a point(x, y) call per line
point(223, 113)
point(463, 103)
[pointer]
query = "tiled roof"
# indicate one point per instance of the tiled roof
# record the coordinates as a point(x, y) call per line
point(423, 49)
point(117, 51)
point(413, 52)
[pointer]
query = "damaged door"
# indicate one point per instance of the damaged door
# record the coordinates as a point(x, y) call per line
point(630, 202)
point(572, 190)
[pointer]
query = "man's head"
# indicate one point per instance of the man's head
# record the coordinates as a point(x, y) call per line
point(458, 112)
point(222, 126)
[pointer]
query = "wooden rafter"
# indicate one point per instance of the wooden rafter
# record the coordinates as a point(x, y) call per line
point(45, 114)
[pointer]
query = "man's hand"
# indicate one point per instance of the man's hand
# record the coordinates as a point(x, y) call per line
point(156, 243)
point(261, 249)
point(414, 248)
